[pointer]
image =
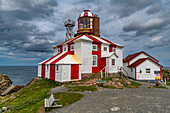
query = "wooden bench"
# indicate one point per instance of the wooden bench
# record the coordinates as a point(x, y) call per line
point(51, 102)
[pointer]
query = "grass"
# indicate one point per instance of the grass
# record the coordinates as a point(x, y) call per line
point(110, 87)
point(158, 87)
point(107, 79)
point(133, 85)
point(31, 98)
point(82, 88)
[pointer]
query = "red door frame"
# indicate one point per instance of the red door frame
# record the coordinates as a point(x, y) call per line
point(43, 70)
point(52, 72)
point(74, 71)
point(103, 63)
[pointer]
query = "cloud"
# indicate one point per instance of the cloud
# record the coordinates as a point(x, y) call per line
point(154, 8)
point(151, 27)
point(157, 41)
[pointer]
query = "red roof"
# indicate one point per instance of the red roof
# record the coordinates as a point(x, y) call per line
point(90, 37)
point(130, 57)
point(139, 61)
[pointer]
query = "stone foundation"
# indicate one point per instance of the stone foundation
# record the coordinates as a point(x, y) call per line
point(89, 75)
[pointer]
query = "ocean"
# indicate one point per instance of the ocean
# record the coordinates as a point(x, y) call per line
point(20, 75)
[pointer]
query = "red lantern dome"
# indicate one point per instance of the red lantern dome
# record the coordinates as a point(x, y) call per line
point(86, 13)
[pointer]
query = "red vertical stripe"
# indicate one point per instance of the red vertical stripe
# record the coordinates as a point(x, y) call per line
point(98, 53)
point(52, 72)
point(43, 70)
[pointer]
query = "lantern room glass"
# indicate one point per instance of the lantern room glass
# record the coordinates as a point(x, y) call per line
point(84, 23)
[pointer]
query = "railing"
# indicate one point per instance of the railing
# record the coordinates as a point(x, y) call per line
point(163, 79)
point(106, 72)
point(121, 68)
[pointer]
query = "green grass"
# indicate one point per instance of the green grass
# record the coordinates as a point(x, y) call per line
point(133, 85)
point(158, 87)
point(107, 79)
point(82, 88)
point(29, 99)
point(110, 87)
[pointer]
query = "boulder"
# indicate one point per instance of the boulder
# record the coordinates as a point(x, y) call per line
point(5, 83)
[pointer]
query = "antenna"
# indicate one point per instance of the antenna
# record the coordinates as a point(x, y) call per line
point(69, 24)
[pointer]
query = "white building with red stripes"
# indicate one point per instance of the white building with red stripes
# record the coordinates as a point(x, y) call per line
point(87, 53)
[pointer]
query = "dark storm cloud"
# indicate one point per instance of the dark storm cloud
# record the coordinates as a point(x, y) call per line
point(14, 34)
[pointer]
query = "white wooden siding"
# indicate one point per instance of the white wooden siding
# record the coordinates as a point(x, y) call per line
point(39, 70)
point(66, 73)
point(86, 66)
point(58, 74)
point(47, 72)
point(147, 76)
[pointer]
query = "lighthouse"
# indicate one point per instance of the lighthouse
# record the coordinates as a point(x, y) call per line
point(88, 23)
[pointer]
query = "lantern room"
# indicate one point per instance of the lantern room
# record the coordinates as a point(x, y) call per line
point(88, 23)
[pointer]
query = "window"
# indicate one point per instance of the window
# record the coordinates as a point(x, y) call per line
point(113, 62)
point(47, 67)
point(94, 60)
point(72, 47)
point(114, 50)
point(156, 72)
point(131, 69)
point(105, 48)
point(57, 68)
point(94, 48)
point(148, 70)
point(84, 23)
point(58, 50)
point(64, 48)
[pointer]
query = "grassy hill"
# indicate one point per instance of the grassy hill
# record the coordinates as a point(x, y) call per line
point(31, 98)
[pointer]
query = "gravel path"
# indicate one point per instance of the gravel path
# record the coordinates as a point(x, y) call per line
point(58, 89)
point(130, 100)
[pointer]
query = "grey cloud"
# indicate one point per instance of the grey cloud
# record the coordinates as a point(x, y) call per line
point(158, 41)
point(154, 8)
point(152, 27)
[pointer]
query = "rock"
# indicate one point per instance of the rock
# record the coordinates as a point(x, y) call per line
point(115, 108)
point(16, 88)
point(5, 83)
point(35, 79)
point(127, 82)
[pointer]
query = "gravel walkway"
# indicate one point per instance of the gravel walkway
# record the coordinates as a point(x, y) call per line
point(58, 89)
point(130, 100)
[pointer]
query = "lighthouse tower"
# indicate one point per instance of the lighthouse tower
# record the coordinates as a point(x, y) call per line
point(88, 23)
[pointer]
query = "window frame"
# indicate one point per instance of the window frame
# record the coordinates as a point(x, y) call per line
point(57, 68)
point(157, 72)
point(72, 49)
point(148, 69)
point(113, 62)
point(94, 45)
point(114, 50)
point(58, 50)
point(95, 61)
point(64, 47)
point(104, 48)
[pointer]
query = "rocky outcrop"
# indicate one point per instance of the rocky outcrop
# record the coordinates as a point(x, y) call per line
point(35, 79)
point(5, 83)
point(15, 89)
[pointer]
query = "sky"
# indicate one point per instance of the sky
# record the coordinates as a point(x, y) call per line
point(30, 28)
